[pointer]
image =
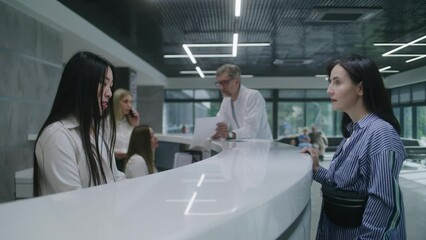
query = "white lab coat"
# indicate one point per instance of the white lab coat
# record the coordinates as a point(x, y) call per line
point(62, 161)
point(250, 112)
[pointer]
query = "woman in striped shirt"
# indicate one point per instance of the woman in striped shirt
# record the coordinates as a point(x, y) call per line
point(368, 160)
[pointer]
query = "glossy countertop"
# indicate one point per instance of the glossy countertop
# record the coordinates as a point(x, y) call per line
point(251, 190)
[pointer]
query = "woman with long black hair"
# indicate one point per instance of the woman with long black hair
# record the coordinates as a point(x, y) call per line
point(74, 148)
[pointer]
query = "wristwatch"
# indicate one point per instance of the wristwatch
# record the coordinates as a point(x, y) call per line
point(230, 135)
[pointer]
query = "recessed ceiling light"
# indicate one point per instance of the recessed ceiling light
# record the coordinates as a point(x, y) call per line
point(342, 14)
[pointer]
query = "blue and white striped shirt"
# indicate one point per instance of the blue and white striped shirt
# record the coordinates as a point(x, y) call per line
point(369, 164)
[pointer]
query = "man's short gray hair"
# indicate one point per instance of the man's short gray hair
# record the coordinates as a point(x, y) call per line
point(232, 70)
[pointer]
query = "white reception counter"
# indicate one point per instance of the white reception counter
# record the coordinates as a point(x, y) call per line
point(250, 190)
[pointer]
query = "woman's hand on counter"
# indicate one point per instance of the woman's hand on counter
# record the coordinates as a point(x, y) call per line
point(314, 155)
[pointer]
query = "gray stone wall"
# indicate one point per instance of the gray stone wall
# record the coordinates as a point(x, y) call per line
point(30, 69)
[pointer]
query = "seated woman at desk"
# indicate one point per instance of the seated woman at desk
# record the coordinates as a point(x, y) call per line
point(73, 149)
point(140, 155)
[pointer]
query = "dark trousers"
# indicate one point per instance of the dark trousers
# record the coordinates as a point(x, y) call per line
point(120, 164)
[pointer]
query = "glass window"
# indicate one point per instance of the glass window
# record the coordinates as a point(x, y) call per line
point(207, 94)
point(419, 93)
point(294, 94)
point(421, 122)
point(320, 114)
point(397, 113)
point(206, 109)
point(404, 94)
point(269, 112)
point(395, 95)
point(317, 93)
point(290, 118)
point(177, 116)
point(408, 124)
point(337, 124)
point(179, 94)
point(266, 93)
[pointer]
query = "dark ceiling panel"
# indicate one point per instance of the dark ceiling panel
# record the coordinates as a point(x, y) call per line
point(304, 34)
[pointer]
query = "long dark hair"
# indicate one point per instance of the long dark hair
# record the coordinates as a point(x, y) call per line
point(78, 95)
point(140, 143)
point(376, 98)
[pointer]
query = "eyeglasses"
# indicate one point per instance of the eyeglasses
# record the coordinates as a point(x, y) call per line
point(222, 83)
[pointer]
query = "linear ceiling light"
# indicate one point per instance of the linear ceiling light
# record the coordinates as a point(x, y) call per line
point(398, 44)
point(199, 56)
point(234, 45)
point(237, 8)
point(228, 45)
point(386, 70)
point(189, 53)
point(403, 46)
point(415, 59)
point(243, 76)
point(404, 55)
point(195, 72)
point(253, 44)
point(199, 71)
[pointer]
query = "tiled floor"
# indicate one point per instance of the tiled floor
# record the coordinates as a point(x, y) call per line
point(413, 185)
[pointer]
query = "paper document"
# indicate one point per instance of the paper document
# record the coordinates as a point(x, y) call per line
point(204, 128)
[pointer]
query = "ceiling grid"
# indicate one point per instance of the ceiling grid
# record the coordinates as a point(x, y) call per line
point(301, 41)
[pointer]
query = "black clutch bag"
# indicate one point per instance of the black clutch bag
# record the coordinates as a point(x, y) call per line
point(343, 208)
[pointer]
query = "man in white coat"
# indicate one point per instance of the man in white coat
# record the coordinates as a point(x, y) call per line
point(242, 109)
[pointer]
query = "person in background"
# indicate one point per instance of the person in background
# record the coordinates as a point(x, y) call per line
point(140, 155)
point(184, 129)
point(73, 149)
point(242, 109)
point(361, 194)
point(126, 119)
point(318, 141)
point(304, 139)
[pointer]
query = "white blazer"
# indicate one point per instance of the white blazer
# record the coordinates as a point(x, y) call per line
point(62, 161)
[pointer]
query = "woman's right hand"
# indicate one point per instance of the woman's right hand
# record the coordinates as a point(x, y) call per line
point(134, 117)
point(314, 155)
